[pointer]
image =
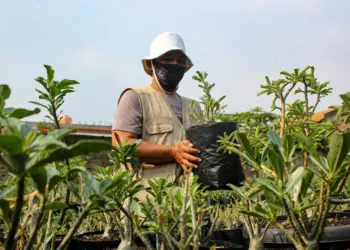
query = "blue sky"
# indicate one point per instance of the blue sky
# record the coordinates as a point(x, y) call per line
point(101, 44)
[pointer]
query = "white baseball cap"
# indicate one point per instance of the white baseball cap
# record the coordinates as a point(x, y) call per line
point(162, 44)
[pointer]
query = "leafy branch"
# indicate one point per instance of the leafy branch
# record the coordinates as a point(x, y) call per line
point(212, 108)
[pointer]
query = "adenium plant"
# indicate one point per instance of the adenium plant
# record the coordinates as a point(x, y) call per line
point(287, 185)
point(211, 108)
point(28, 156)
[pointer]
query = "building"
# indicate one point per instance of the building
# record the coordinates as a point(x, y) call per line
point(328, 115)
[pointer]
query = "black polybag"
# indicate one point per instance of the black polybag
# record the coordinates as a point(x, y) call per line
point(216, 169)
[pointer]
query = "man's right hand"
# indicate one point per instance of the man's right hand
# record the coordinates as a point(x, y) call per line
point(183, 155)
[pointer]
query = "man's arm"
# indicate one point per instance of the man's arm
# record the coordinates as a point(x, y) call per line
point(150, 153)
point(128, 126)
point(157, 153)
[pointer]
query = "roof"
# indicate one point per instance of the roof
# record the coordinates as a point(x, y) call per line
point(320, 116)
point(82, 129)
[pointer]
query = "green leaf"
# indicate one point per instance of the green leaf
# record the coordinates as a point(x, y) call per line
point(53, 177)
point(306, 183)
point(39, 176)
point(236, 191)
point(339, 147)
point(22, 113)
point(256, 214)
point(288, 147)
point(41, 105)
point(50, 74)
point(45, 142)
point(295, 178)
point(308, 145)
point(268, 185)
point(56, 205)
point(75, 170)
point(244, 142)
point(6, 191)
point(5, 213)
point(346, 99)
point(80, 148)
point(277, 162)
point(5, 92)
point(11, 144)
point(66, 83)
point(274, 138)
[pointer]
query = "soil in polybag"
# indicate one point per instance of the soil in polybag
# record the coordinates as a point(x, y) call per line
point(216, 169)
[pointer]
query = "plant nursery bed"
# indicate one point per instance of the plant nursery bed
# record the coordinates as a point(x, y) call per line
point(94, 240)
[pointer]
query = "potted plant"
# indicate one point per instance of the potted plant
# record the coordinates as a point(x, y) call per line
point(228, 226)
point(176, 216)
point(216, 169)
point(288, 183)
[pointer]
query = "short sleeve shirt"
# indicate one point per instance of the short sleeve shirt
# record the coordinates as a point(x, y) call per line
point(128, 116)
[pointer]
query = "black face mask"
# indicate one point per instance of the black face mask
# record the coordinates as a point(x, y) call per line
point(168, 75)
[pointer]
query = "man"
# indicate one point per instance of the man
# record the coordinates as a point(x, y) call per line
point(157, 114)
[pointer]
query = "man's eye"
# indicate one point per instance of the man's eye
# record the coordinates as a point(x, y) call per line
point(182, 63)
point(166, 61)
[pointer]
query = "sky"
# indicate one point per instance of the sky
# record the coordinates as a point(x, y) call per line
point(237, 42)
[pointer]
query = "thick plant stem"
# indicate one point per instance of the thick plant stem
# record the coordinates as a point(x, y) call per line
point(211, 229)
point(342, 182)
point(49, 224)
point(67, 196)
point(34, 233)
point(307, 130)
point(144, 239)
point(294, 223)
point(183, 229)
point(129, 227)
point(194, 224)
point(288, 234)
point(66, 201)
point(283, 117)
point(256, 244)
point(72, 231)
point(16, 213)
point(120, 229)
point(323, 215)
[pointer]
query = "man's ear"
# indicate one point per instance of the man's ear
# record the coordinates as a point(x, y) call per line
point(149, 65)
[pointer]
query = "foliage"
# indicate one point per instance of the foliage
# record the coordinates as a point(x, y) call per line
point(176, 213)
point(301, 82)
point(251, 120)
point(301, 191)
point(53, 94)
point(29, 157)
point(212, 108)
point(343, 111)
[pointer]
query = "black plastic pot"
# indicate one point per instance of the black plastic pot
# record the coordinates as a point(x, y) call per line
point(91, 244)
point(216, 169)
point(221, 245)
point(233, 235)
point(338, 236)
point(152, 237)
point(60, 237)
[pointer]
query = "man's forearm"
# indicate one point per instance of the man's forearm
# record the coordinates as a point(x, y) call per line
point(153, 153)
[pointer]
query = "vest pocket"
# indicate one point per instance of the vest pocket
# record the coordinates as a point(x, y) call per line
point(158, 128)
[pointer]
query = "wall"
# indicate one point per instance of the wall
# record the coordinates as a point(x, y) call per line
point(94, 159)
